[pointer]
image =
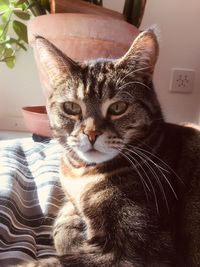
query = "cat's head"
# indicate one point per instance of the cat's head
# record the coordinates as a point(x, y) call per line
point(98, 108)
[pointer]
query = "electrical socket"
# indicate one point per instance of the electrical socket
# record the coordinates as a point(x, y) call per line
point(182, 80)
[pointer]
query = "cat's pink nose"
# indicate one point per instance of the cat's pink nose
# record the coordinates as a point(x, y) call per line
point(92, 135)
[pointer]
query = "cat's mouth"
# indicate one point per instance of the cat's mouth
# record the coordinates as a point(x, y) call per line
point(95, 155)
point(92, 150)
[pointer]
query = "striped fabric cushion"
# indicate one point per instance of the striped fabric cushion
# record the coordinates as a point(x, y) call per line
point(30, 196)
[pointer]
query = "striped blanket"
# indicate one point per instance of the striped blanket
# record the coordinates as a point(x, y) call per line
point(30, 196)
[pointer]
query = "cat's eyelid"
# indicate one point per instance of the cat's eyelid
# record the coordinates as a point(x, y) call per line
point(115, 117)
point(62, 98)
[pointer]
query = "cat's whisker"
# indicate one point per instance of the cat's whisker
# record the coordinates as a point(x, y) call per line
point(159, 169)
point(144, 160)
point(135, 168)
point(129, 157)
point(132, 72)
point(149, 159)
point(134, 82)
point(149, 180)
point(144, 184)
point(167, 180)
point(161, 161)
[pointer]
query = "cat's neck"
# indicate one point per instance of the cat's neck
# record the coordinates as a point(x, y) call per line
point(75, 167)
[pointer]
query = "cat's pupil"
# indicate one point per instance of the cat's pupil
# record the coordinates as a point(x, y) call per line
point(118, 108)
point(72, 108)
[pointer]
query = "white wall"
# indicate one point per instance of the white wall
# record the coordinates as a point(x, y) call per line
point(179, 22)
point(116, 5)
point(18, 87)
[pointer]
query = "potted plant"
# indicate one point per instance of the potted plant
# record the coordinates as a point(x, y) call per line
point(80, 35)
point(13, 29)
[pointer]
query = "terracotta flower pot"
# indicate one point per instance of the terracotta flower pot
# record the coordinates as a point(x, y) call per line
point(81, 37)
point(36, 120)
point(79, 6)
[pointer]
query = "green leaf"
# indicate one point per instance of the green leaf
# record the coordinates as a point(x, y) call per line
point(10, 61)
point(8, 45)
point(2, 50)
point(17, 42)
point(21, 30)
point(9, 52)
point(22, 14)
point(5, 17)
point(22, 46)
point(5, 40)
point(3, 31)
point(20, 2)
point(4, 5)
point(1, 28)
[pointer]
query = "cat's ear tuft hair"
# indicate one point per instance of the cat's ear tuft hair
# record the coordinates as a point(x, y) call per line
point(55, 64)
point(143, 53)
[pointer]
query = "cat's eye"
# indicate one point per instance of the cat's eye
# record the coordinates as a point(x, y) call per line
point(118, 108)
point(72, 108)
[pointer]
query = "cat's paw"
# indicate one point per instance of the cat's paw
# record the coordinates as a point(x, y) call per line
point(69, 235)
point(53, 261)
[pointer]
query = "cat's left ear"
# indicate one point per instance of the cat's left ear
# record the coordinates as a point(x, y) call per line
point(143, 53)
point(57, 68)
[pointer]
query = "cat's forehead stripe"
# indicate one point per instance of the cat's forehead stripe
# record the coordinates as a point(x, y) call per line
point(96, 76)
point(80, 92)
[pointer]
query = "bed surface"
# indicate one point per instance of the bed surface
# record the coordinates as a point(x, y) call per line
point(30, 196)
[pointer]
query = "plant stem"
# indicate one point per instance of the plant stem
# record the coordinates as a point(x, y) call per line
point(6, 25)
point(5, 58)
point(96, 2)
point(133, 11)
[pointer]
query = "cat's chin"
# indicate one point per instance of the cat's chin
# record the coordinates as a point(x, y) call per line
point(95, 156)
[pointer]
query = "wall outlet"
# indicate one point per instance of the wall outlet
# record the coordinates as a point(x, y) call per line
point(182, 80)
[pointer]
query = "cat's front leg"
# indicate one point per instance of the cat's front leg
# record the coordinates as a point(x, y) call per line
point(68, 230)
point(123, 231)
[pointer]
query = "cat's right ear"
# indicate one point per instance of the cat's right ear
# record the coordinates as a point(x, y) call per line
point(142, 55)
point(56, 66)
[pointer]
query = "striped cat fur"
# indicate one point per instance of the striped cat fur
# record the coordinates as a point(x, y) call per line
point(132, 180)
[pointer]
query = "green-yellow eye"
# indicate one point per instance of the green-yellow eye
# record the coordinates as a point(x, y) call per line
point(72, 108)
point(118, 108)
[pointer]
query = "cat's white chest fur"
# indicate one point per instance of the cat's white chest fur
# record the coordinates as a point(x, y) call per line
point(76, 187)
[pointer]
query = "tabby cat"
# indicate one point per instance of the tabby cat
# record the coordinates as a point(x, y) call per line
point(132, 180)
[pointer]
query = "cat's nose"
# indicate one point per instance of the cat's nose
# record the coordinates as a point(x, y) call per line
point(92, 135)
